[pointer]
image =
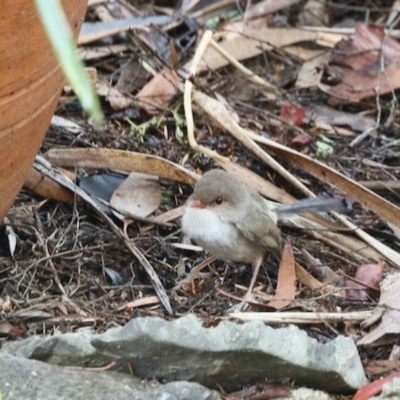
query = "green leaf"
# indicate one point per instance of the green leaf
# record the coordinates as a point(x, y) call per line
point(57, 28)
point(323, 149)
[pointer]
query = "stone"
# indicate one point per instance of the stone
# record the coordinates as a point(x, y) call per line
point(229, 355)
point(32, 380)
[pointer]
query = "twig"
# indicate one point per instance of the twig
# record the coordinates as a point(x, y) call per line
point(302, 317)
point(245, 71)
point(112, 364)
point(187, 100)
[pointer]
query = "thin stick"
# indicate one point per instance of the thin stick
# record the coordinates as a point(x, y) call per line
point(302, 317)
point(245, 71)
point(187, 101)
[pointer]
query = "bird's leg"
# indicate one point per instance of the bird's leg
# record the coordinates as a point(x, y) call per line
point(249, 293)
point(248, 297)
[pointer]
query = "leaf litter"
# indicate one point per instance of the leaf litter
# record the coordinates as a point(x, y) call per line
point(243, 101)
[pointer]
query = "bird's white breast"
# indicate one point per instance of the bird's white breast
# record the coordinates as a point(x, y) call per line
point(219, 238)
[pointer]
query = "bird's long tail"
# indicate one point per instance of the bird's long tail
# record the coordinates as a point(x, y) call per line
point(314, 204)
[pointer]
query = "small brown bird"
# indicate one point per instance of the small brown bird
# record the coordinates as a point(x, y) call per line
point(233, 222)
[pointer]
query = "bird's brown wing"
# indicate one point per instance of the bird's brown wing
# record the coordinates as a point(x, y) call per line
point(258, 227)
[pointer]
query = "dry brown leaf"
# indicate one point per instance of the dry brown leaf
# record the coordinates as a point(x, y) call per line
point(306, 278)
point(311, 70)
point(292, 114)
point(118, 101)
point(286, 286)
point(388, 312)
point(121, 160)
point(367, 276)
point(328, 118)
point(305, 53)
point(314, 13)
point(245, 26)
point(301, 140)
point(158, 92)
point(348, 244)
point(166, 217)
point(243, 48)
point(368, 63)
point(138, 195)
point(132, 77)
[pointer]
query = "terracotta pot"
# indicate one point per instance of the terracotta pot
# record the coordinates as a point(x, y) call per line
point(30, 85)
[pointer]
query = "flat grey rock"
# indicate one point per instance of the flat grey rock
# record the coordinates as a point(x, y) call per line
point(32, 380)
point(229, 355)
point(308, 394)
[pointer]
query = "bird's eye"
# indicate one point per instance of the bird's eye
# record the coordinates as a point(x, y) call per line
point(218, 200)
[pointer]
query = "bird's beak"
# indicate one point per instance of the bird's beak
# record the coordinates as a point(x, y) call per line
point(197, 204)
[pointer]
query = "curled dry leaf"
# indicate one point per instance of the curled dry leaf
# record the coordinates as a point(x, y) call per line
point(121, 160)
